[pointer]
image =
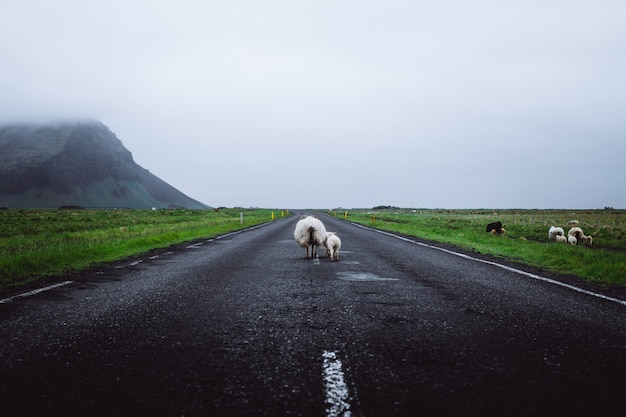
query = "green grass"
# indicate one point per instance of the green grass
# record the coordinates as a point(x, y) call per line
point(35, 244)
point(526, 238)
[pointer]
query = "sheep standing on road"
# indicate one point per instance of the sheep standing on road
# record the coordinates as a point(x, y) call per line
point(310, 231)
point(332, 243)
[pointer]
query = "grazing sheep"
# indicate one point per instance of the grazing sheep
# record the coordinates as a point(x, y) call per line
point(578, 233)
point(310, 231)
point(332, 243)
point(572, 223)
point(561, 238)
point(555, 232)
point(572, 240)
point(495, 228)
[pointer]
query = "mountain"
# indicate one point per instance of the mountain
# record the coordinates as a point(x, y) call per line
point(77, 164)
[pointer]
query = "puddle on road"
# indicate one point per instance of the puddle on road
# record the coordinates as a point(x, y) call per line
point(363, 276)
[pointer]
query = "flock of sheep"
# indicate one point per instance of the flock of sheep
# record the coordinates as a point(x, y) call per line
point(555, 233)
point(310, 231)
point(575, 235)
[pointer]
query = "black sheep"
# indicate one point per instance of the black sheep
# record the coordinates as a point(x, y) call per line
point(495, 228)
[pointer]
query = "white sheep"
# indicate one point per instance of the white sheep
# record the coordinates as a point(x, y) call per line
point(310, 231)
point(332, 243)
point(578, 233)
point(572, 223)
point(572, 240)
point(555, 233)
point(561, 239)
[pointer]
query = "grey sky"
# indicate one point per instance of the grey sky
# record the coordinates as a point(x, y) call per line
point(319, 104)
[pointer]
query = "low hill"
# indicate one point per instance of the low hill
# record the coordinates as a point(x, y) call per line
point(77, 164)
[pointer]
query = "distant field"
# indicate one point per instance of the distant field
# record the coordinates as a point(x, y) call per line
point(39, 243)
point(526, 238)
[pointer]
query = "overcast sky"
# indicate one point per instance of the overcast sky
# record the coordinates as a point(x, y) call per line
point(336, 103)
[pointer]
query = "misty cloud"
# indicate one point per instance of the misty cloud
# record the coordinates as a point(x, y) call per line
point(417, 104)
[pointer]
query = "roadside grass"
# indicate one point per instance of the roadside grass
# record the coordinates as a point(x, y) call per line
point(526, 238)
point(35, 244)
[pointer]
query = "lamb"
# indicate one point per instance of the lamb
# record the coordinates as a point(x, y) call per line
point(572, 240)
point(332, 243)
point(310, 231)
point(495, 228)
point(578, 233)
point(556, 233)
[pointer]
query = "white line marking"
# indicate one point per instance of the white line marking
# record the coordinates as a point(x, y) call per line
point(336, 388)
point(236, 232)
point(508, 268)
point(33, 292)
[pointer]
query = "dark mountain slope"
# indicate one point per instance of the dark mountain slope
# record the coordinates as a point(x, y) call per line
point(82, 164)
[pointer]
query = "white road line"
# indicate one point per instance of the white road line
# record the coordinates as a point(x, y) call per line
point(33, 292)
point(336, 388)
point(508, 268)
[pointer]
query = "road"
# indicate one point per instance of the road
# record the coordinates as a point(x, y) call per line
point(244, 325)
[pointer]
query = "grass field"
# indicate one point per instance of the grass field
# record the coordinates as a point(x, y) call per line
point(526, 238)
point(35, 244)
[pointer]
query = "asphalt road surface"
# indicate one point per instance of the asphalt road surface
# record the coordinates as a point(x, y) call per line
point(244, 325)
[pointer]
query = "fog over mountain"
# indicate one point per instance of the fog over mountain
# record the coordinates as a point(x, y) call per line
point(419, 104)
point(49, 165)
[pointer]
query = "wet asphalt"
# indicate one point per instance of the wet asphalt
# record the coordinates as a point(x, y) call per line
point(244, 325)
